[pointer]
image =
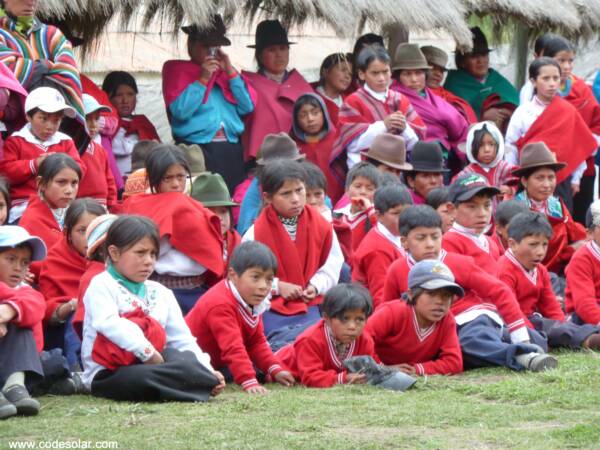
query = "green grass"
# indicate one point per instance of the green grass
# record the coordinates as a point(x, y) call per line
point(489, 408)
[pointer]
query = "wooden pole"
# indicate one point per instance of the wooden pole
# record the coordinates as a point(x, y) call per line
point(521, 46)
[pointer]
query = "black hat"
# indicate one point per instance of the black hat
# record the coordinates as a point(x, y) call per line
point(480, 43)
point(212, 35)
point(427, 157)
point(270, 32)
point(468, 186)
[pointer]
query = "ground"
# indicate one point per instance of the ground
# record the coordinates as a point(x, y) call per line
point(487, 408)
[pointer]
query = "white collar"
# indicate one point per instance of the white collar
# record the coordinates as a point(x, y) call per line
point(389, 236)
point(479, 239)
point(254, 310)
point(381, 96)
point(411, 261)
point(26, 134)
point(339, 100)
point(530, 274)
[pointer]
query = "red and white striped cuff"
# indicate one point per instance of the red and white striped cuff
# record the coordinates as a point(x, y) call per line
point(274, 369)
point(419, 369)
point(252, 382)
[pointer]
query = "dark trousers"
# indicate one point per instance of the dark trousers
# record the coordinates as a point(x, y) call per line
point(187, 298)
point(227, 160)
point(63, 336)
point(584, 198)
point(484, 343)
point(565, 192)
point(281, 330)
point(563, 334)
point(180, 378)
point(18, 353)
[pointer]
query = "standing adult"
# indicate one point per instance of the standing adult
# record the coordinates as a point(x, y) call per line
point(206, 99)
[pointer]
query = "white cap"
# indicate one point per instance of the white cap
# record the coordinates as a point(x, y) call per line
point(49, 100)
point(12, 235)
point(90, 105)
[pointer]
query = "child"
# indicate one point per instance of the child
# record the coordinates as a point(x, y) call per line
point(4, 201)
point(419, 336)
point(362, 182)
point(99, 182)
point(583, 275)
point(227, 323)
point(427, 172)
point(21, 313)
point(210, 190)
point(137, 181)
point(129, 319)
point(316, 357)
point(335, 76)
point(491, 327)
point(522, 271)
point(388, 154)
point(308, 254)
point(58, 181)
point(25, 150)
point(505, 211)
point(381, 246)
point(439, 199)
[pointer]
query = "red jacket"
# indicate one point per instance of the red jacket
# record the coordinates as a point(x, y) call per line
point(313, 359)
point(231, 335)
point(565, 231)
point(399, 340)
point(93, 268)
point(360, 225)
point(487, 258)
point(99, 182)
point(30, 307)
point(583, 284)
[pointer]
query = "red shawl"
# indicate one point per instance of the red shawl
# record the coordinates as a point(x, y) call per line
point(232, 240)
point(565, 231)
point(60, 275)
point(565, 133)
point(140, 125)
point(192, 229)
point(459, 103)
point(297, 261)
point(93, 268)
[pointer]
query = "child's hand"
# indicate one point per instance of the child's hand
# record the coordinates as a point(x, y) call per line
point(285, 378)
point(29, 278)
point(3, 330)
point(575, 188)
point(290, 291)
point(359, 204)
point(395, 122)
point(41, 158)
point(7, 313)
point(406, 368)
point(156, 358)
point(219, 387)
point(260, 390)
point(356, 378)
point(65, 309)
point(309, 293)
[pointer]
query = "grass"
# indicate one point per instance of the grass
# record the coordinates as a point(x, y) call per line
point(488, 408)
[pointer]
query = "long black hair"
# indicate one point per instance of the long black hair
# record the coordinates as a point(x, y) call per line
point(160, 159)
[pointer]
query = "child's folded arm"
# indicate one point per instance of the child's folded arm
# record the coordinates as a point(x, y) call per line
point(375, 266)
point(18, 171)
point(28, 303)
point(328, 274)
point(262, 355)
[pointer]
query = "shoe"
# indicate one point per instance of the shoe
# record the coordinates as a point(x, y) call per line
point(20, 398)
point(592, 342)
point(68, 386)
point(7, 409)
point(542, 361)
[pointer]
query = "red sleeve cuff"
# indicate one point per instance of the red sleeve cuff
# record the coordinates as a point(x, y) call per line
point(252, 382)
point(274, 370)
point(342, 378)
point(15, 306)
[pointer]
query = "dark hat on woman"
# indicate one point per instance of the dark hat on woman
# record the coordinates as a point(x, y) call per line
point(278, 146)
point(390, 150)
point(435, 56)
point(409, 57)
point(270, 32)
point(536, 155)
point(480, 43)
point(212, 35)
point(427, 157)
point(210, 190)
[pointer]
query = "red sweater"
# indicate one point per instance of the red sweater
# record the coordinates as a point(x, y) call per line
point(360, 225)
point(482, 291)
point(99, 182)
point(30, 307)
point(231, 335)
point(583, 283)
point(93, 268)
point(485, 256)
point(532, 289)
point(313, 359)
point(399, 339)
point(372, 259)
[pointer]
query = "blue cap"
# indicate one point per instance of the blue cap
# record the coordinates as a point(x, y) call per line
point(432, 274)
point(90, 105)
point(12, 236)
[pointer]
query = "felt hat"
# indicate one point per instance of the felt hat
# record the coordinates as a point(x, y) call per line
point(409, 57)
point(432, 274)
point(390, 150)
point(212, 35)
point(270, 32)
point(427, 157)
point(536, 155)
point(480, 43)
point(435, 56)
point(95, 233)
point(195, 158)
point(278, 146)
point(49, 100)
point(12, 236)
point(210, 190)
point(467, 186)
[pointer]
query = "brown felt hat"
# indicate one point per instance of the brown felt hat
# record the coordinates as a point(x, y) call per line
point(195, 158)
point(409, 57)
point(278, 146)
point(390, 150)
point(536, 155)
point(212, 35)
point(435, 56)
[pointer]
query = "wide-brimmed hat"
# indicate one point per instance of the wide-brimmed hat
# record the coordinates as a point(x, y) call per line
point(467, 186)
point(210, 190)
point(278, 146)
point(212, 35)
point(536, 155)
point(390, 150)
point(435, 56)
point(427, 157)
point(195, 158)
point(409, 57)
point(12, 236)
point(270, 32)
point(480, 43)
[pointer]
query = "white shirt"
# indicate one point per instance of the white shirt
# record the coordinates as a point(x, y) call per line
point(390, 237)
point(122, 147)
point(175, 263)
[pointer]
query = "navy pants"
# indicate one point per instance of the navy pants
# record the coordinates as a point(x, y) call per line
point(187, 298)
point(63, 336)
point(18, 353)
point(281, 330)
point(563, 334)
point(484, 343)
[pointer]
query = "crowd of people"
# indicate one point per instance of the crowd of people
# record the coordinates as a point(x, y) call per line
point(427, 227)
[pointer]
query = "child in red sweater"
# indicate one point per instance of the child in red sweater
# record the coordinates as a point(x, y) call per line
point(505, 211)
point(316, 357)
point(25, 150)
point(227, 322)
point(419, 336)
point(381, 246)
point(522, 271)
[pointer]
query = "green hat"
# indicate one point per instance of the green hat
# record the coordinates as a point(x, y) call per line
point(195, 158)
point(210, 190)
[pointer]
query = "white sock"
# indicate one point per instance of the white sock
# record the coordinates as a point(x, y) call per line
point(17, 378)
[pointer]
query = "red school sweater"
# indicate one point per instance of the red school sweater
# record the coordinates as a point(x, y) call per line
point(486, 255)
point(99, 182)
point(313, 359)
point(372, 259)
point(231, 335)
point(482, 291)
point(93, 268)
point(532, 289)
point(360, 224)
point(30, 307)
point(583, 283)
point(399, 339)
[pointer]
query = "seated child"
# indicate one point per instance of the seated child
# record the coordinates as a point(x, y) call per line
point(316, 357)
point(137, 181)
point(381, 246)
point(505, 211)
point(227, 323)
point(4, 200)
point(25, 150)
point(136, 345)
point(418, 336)
point(439, 199)
point(491, 327)
point(583, 275)
point(427, 172)
point(522, 270)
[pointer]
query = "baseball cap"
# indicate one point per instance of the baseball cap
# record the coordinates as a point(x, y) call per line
point(12, 236)
point(90, 105)
point(48, 100)
point(467, 186)
point(432, 274)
